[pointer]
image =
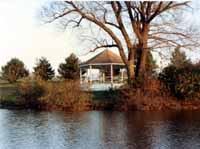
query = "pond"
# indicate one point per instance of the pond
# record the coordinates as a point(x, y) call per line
point(23, 129)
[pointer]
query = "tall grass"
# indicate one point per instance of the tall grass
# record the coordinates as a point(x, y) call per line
point(148, 96)
point(30, 92)
point(64, 95)
point(67, 95)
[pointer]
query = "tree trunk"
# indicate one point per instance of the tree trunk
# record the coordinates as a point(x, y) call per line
point(130, 71)
point(137, 61)
point(142, 67)
point(143, 46)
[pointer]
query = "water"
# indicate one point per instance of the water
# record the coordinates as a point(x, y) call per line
point(99, 130)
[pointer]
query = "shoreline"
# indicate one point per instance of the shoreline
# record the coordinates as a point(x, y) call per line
point(112, 100)
point(109, 106)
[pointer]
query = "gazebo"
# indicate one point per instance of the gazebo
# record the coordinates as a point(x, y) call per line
point(111, 70)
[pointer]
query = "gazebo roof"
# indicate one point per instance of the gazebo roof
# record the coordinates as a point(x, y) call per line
point(105, 57)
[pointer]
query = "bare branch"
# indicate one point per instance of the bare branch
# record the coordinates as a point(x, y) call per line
point(61, 15)
point(104, 46)
point(107, 22)
point(153, 25)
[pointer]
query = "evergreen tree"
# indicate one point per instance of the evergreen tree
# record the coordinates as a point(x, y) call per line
point(178, 58)
point(14, 70)
point(150, 64)
point(70, 68)
point(44, 70)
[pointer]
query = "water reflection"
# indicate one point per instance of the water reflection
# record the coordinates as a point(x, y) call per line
point(99, 130)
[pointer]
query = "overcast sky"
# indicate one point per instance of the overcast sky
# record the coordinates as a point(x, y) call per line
point(23, 37)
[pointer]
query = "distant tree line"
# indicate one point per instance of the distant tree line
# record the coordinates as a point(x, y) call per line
point(15, 69)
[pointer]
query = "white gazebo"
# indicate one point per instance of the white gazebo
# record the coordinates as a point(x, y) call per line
point(110, 71)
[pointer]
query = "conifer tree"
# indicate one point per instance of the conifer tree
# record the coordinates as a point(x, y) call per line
point(44, 70)
point(70, 68)
point(178, 58)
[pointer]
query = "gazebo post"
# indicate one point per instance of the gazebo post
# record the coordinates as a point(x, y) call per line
point(90, 73)
point(111, 74)
point(80, 75)
point(122, 75)
point(103, 77)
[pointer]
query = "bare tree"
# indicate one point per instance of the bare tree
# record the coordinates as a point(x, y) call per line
point(134, 28)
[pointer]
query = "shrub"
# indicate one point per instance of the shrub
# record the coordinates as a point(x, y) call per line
point(183, 82)
point(149, 95)
point(66, 95)
point(30, 91)
point(136, 83)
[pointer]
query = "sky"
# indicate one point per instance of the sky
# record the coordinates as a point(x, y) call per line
point(23, 36)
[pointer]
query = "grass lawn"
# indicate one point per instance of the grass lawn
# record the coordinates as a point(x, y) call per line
point(8, 91)
point(8, 85)
point(9, 95)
